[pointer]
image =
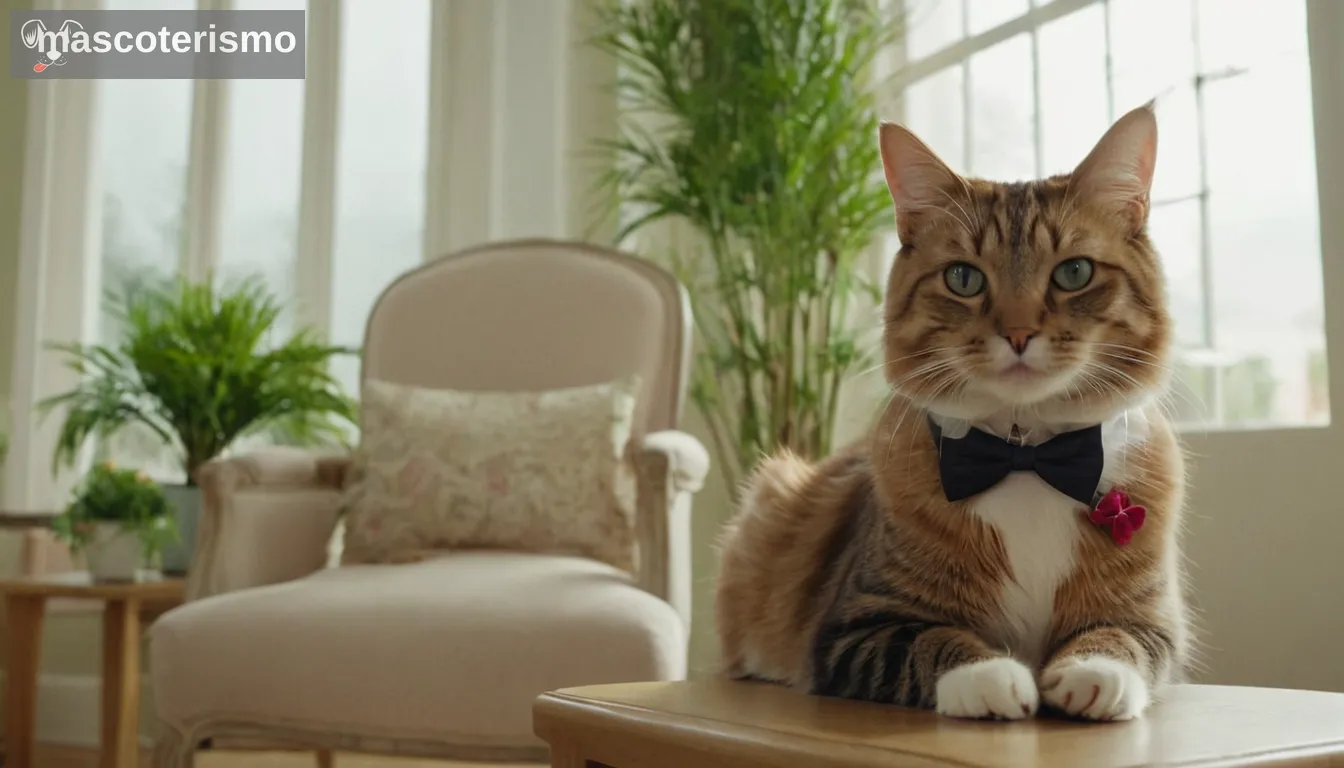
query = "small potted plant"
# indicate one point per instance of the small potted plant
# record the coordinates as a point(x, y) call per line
point(200, 366)
point(120, 519)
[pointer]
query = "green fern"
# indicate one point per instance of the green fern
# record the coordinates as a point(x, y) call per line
point(195, 367)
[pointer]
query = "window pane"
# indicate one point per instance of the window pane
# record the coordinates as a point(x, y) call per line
point(931, 25)
point(935, 111)
point(988, 14)
point(1178, 164)
point(1152, 49)
point(1259, 30)
point(1003, 144)
point(143, 137)
point(380, 171)
point(262, 157)
point(1265, 238)
point(143, 134)
point(1191, 399)
point(1073, 87)
point(1175, 232)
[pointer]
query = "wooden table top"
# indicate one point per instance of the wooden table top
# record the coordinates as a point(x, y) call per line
point(721, 723)
point(15, 519)
point(152, 587)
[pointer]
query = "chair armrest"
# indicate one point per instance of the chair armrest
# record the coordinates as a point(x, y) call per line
point(687, 460)
point(266, 517)
point(671, 466)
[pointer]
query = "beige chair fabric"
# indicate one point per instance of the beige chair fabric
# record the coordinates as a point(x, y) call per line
point(450, 650)
point(441, 658)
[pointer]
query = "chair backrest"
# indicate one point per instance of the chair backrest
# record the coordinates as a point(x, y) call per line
point(530, 315)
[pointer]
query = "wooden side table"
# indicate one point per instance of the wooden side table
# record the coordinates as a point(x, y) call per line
point(124, 604)
point(722, 724)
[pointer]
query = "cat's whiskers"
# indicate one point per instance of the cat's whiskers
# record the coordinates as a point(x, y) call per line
point(970, 199)
point(925, 371)
point(964, 222)
point(1093, 381)
point(944, 391)
point(1135, 360)
point(1114, 377)
point(1167, 407)
point(883, 365)
point(1069, 207)
point(1170, 398)
point(1125, 348)
point(1110, 370)
point(940, 384)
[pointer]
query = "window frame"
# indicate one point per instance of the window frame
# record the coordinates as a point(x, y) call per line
point(1041, 12)
point(64, 238)
point(485, 59)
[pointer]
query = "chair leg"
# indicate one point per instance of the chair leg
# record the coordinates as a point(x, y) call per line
point(171, 752)
point(325, 759)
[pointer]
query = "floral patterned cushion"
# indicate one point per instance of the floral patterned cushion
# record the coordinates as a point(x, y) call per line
point(535, 471)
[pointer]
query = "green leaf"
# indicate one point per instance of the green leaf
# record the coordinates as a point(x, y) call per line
point(198, 364)
point(754, 122)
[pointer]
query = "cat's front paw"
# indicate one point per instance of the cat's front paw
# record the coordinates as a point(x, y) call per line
point(1096, 688)
point(999, 688)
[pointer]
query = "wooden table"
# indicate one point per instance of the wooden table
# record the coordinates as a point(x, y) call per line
point(125, 606)
point(720, 724)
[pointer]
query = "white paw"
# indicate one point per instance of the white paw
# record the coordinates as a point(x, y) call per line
point(998, 688)
point(1096, 688)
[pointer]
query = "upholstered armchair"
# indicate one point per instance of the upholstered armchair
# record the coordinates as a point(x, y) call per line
point(280, 645)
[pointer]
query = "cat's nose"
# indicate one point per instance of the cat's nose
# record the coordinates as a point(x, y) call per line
point(1019, 338)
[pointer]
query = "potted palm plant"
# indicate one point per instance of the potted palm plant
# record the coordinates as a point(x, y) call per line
point(120, 519)
point(196, 366)
point(754, 124)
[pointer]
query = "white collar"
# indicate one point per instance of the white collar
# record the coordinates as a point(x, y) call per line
point(1125, 428)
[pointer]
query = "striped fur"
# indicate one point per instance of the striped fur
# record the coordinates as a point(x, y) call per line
point(855, 577)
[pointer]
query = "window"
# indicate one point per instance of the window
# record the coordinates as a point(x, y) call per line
point(143, 171)
point(209, 177)
point(261, 181)
point(380, 164)
point(143, 166)
point(1005, 90)
point(329, 187)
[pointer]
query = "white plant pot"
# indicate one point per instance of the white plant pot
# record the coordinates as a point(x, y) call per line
point(114, 553)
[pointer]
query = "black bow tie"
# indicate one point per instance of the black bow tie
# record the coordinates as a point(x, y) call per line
point(1070, 462)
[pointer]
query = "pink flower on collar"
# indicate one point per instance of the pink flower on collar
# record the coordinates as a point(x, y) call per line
point(1118, 515)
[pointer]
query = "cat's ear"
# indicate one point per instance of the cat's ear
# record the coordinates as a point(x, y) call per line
point(1118, 172)
point(916, 178)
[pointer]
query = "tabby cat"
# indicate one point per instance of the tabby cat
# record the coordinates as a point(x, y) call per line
point(1024, 323)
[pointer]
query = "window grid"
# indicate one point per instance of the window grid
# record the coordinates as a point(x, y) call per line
point(198, 254)
point(1207, 304)
point(1038, 134)
point(1041, 13)
point(1109, 59)
point(967, 91)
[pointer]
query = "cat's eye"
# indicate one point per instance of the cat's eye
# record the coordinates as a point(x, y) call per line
point(1072, 275)
point(964, 280)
